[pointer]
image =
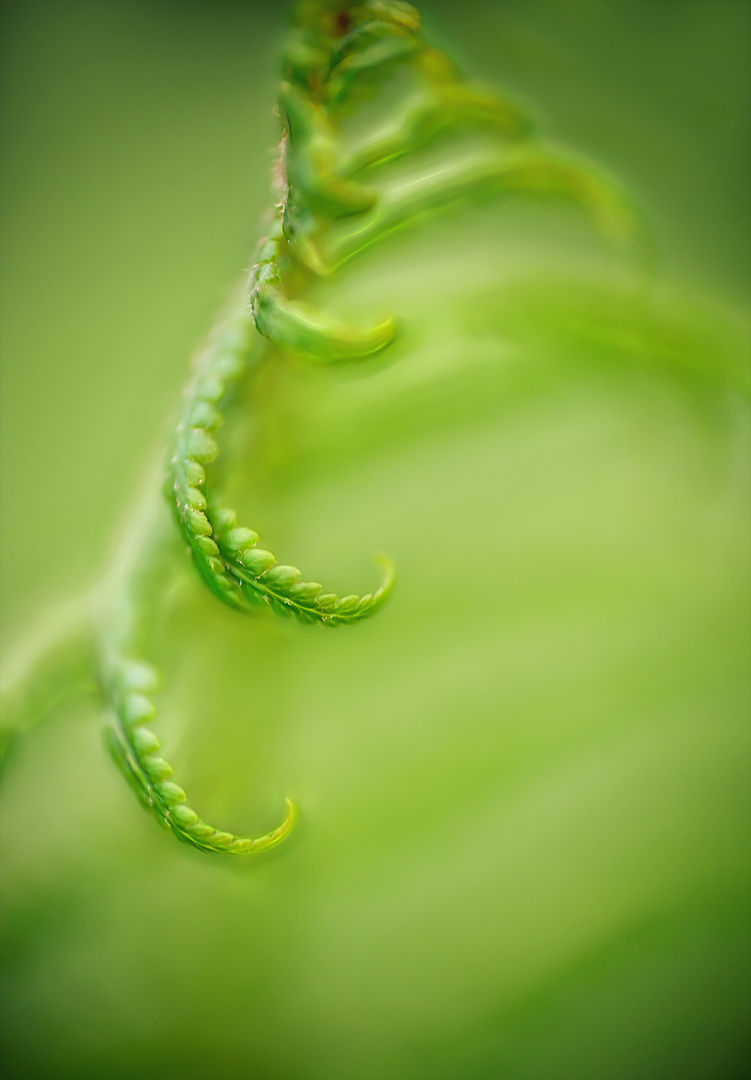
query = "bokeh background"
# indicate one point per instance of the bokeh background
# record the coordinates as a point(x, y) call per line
point(525, 787)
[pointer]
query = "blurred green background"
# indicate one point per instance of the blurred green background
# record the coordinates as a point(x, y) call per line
point(525, 786)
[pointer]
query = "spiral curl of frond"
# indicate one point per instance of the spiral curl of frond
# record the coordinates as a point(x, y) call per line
point(327, 209)
point(136, 749)
point(238, 571)
point(319, 182)
point(332, 50)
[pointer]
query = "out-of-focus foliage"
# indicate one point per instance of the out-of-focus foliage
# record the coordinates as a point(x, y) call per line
point(523, 848)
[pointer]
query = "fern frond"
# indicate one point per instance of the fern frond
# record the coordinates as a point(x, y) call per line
point(297, 326)
point(136, 749)
point(301, 328)
point(314, 192)
point(480, 176)
point(327, 210)
point(311, 161)
point(222, 363)
point(265, 581)
point(385, 34)
point(379, 47)
point(315, 169)
point(452, 107)
point(237, 571)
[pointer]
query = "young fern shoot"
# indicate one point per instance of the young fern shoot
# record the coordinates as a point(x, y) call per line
point(136, 748)
point(236, 569)
point(328, 207)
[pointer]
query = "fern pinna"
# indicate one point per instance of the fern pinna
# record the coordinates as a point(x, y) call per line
point(329, 205)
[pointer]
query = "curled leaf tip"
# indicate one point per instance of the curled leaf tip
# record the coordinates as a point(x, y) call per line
point(389, 577)
point(276, 837)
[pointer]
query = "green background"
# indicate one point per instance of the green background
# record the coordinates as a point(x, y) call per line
point(524, 787)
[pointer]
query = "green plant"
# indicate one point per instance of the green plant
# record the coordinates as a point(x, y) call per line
point(328, 208)
point(522, 847)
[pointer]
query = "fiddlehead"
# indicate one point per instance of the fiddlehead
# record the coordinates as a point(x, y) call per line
point(237, 570)
point(315, 192)
point(129, 685)
point(327, 219)
point(298, 326)
point(127, 613)
point(481, 174)
point(328, 209)
point(312, 193)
